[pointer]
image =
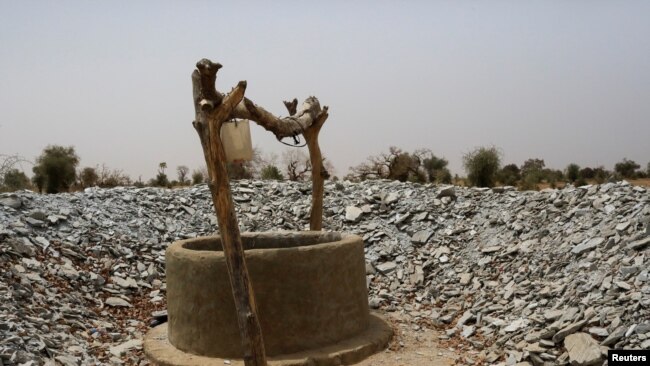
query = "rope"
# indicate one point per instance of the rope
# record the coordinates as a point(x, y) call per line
point(296, 139)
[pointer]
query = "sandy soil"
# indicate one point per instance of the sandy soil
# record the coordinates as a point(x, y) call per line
point(412, 348)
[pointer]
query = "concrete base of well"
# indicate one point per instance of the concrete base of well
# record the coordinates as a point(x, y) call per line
point(346, 352)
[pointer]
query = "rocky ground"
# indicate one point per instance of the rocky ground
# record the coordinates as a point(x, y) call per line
point(506, 277)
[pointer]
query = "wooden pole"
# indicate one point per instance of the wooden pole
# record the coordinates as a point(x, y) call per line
point(317, 170)
point(211, 113)
point(212, 109)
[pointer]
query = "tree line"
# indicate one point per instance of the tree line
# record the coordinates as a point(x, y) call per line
point(57, 170)
point(483, 167)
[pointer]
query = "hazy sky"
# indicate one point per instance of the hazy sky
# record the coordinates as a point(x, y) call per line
point(566, 81)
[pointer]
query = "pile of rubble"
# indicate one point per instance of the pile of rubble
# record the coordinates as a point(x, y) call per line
point(511, 277)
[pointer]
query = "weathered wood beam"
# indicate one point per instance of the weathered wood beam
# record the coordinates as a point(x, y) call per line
point(212, 109)
point(297, 121)
point(318, 172)
point(291, 106)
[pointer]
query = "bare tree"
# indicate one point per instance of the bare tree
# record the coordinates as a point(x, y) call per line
point(182, 171)
point(297, 164)
point(9, 162)
point(107, 177)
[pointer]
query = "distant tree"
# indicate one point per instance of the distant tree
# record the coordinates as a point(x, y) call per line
point(206, 174)
point(419, 166)
point(647, 169)
point(601, 174)
point(38, 180)
point(239, 171)
point(297, 164)
point(139, 183)
point(108, 178)
point(55, 169)
point(402, 167)
point(246, 169)
point(626, 168)
point(88, 177)
point(271, 172)
point(509, 175)
point(161, 179)
point(14, 180)
point(572, 172)
point(532, 171)
point(197, 177)
point(587, 173)
point(432, 165)
point(182, 171)
point(10, 162)
point(553, 176)
point(443, 176)
point(482, 165)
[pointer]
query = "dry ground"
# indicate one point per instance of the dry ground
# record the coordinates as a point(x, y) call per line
point(412, 348)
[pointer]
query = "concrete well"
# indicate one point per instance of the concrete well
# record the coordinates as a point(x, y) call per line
point(311, 295)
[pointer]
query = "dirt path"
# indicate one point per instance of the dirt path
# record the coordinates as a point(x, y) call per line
point(411, 348)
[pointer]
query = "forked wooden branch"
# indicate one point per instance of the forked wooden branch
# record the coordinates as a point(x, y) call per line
point(212, 109)
point(317, 170)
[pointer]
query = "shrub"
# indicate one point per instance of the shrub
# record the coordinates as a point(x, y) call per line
point(587, 173)
point(436, 168)
point(443, 176)
point(88, 177)
point(572, 172)
point(197, 177)
point(533, 172)
point(14, 180)
point(161, 180)
point(626, 168)
point(55, 169)
point(271, 172)
point(528, 183)
point(481, 165)
point(601, 174)
point(509, 175)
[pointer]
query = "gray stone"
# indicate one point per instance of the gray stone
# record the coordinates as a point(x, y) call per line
point(623, 285)
point(569, 329)
point(11, 201)
point(421, 237)
point(516, 325)
point(599, 332)
point(464, 278)
point(35, 222)
point(448, 191)
point(639, 244)
point(386, 268)
point(117, 302)
point(583, 350)
point(122, 348)
point(614, 336)
point(353, 213)
point(468, 331)
point(587, 246)
point(22, 246)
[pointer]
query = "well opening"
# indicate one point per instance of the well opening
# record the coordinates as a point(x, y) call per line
point(278, 241)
